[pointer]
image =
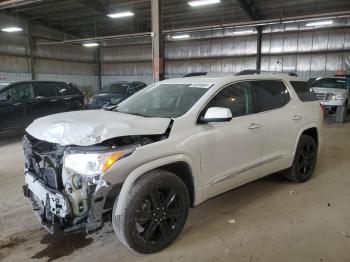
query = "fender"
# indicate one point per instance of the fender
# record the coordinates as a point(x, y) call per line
point(138, 172)
point(301, 130)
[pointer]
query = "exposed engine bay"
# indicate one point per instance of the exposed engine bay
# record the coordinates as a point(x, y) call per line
point(67, 200)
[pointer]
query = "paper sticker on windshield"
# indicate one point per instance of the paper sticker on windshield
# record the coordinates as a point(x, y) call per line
point(201, 86)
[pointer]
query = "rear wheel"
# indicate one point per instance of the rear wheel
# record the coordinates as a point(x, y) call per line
point(155, 212)
point(304, 161)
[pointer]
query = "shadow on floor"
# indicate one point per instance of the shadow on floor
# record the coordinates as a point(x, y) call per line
point(10, 140)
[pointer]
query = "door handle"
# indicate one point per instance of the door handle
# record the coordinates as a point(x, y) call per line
point(253, 126)
point(17, 104)
point(39, 97)
point(297, 117)
point(53, 100)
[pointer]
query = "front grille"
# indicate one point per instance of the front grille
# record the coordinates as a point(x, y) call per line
point(324, 96)
point(44, 161)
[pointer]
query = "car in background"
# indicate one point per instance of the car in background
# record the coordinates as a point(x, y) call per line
point(113, 94)
point(23, 102)
point(334, 94)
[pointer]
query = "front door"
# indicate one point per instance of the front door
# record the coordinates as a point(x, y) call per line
point(13, 110)
point(231, 151)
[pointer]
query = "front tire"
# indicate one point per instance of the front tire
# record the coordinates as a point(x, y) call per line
point(304, 161)
point(156, 211)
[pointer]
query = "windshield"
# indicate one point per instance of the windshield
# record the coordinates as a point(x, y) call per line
point(114, 89)
point(329, 83)
point(163, 100)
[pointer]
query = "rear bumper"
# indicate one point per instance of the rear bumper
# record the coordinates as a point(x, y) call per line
point(332, 103)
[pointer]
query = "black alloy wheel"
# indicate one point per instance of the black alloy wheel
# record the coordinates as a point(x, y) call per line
point(156, 210)
point(304, 161)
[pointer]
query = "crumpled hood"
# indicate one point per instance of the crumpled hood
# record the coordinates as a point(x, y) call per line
point(84, 128)
point(337, 91)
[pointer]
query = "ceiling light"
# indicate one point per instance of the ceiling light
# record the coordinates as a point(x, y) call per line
point(244, 32)
point(91, 44)
point(320, 23)
point(12, 29)
point(203, 2)
point(121, 14)
point(179, 37)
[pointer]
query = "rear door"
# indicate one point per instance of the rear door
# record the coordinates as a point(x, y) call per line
point(69, 98)
point(13, 109)
point(278, 127)
point(46, 100)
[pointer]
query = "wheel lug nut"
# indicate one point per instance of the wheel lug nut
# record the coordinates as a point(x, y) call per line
point(164, 213)
point(154, 214)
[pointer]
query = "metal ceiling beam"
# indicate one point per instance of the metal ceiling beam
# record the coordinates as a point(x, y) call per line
point(16, 3)
point(248, 9)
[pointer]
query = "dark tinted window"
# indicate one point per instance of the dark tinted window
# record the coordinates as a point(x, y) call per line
point(45, 89)
point(66, 90)
point(270, 94)
point(237, 97)
point(304, 91)
point(20, 92)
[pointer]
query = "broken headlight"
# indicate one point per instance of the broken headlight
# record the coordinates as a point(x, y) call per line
point(93, 164)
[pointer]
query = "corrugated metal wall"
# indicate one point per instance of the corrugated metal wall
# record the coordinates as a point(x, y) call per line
point(289, 47)
point(68, 63)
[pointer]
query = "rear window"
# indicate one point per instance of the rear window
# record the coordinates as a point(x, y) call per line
point(304, 91)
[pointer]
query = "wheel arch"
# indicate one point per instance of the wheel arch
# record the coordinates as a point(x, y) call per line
point(310, 130)
point(181, 165)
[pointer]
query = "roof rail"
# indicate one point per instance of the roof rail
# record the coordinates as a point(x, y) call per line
point(196, 74)
point(260, 72)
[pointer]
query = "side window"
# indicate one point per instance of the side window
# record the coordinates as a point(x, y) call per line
point(237, 97)
point(304, 91)
point(45, 89)
point(270, 94)
point(20, 92)
point(65, 90)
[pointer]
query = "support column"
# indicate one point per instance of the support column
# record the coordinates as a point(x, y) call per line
point(258, 47)
point(157, 42)
point(31, 47)
point(99, 68)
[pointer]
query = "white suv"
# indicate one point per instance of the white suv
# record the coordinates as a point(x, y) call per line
point(334, 94)
point(173, 145)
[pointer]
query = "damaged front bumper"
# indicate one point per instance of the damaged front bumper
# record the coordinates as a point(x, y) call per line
point(53, 208)
point(64, 201)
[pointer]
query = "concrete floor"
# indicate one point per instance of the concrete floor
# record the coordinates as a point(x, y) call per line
point(275, 220)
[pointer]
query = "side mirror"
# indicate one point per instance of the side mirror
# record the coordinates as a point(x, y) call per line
point(216, 114)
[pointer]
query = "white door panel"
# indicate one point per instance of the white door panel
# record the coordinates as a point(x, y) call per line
point(230, 149)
